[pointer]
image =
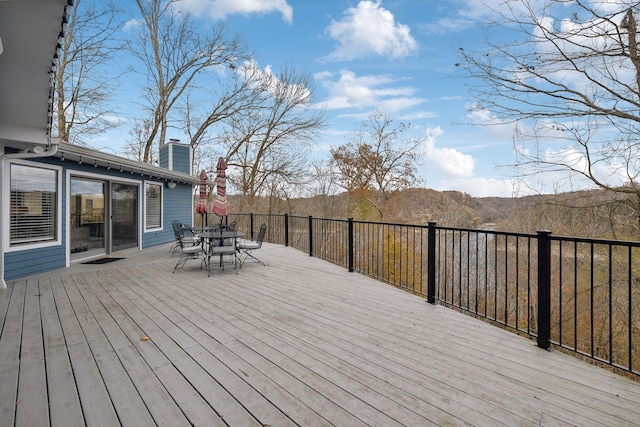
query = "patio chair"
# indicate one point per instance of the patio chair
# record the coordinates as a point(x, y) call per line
point(246, 247)
point(222, 251)
point(188, 249)
point(182, 232)
point(230, 227)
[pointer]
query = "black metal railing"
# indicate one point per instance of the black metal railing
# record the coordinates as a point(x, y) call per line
point(581, 295)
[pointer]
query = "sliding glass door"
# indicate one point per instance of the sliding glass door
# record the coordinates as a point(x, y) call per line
point(103, 217)
point(124, 217)
point(87, 218)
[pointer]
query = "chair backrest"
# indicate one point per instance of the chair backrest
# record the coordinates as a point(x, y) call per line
point(261, 233)
point(179, 233)
point(177, 229)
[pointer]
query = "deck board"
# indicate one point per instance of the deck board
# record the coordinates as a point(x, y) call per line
point(388, 371)
point(10, 344)
point(97, 407)
point(125, 338)
point(126, 399)
point(296, 342)
point(64, 403)
point(184, 352)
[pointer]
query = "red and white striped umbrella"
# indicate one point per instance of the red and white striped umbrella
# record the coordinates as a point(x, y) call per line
point(220, 204)
point(202, 201)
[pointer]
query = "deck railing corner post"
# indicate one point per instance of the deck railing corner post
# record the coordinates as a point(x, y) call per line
point(350, 245)
point(431, 263)
point(286, 229)
point(544, 289)
point(251, 225)
point(310, 235)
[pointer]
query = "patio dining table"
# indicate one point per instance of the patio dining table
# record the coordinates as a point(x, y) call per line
point(214, 238)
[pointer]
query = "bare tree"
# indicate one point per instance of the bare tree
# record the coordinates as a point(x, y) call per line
point(270, 142)
point(175, 55)
point(83, 85)
point(323, 190)
point(204, 121)
point(379, 160)
point(135, 146)
point(571, 76)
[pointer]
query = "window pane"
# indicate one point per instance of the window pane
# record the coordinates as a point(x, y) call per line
point(153, 210)
point(33, 204)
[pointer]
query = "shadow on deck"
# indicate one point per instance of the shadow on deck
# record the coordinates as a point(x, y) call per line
point(296, 342)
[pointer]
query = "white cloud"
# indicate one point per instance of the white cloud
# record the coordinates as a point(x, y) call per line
point(569, 157)
point(271, 82)
point(612, 171)
point(465, 14)
point(492, 127)
point(369, 29)
point(417, 115)
point(448, 161)
point(131, 24)
point(369, 92)
point(219, 9)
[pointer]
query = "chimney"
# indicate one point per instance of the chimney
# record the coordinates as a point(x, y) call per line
point(176, 156)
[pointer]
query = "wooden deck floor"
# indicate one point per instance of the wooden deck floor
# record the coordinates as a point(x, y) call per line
point(298, 342)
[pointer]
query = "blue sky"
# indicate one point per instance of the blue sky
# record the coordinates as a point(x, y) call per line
point(394, 56)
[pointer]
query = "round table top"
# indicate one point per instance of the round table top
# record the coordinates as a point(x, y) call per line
point(206, 228)
point(225, 234)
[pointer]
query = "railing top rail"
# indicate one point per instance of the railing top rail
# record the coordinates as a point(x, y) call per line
point(481, 230)
point(629, 243)
point(478, 230)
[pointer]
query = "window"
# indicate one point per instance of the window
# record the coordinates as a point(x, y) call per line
point(153, 206)
point(34, 196)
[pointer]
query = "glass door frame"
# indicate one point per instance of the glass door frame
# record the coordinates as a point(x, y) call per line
point(113, 235)
point(107, 182)
point(91, 232)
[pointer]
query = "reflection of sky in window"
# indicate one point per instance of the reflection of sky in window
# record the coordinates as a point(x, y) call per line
point(26, 178)
point(124, 192)
point(81, 186)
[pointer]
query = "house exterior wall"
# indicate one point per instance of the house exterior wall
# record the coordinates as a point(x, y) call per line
point(33, 261)
point(177, 204)
point(174, 202)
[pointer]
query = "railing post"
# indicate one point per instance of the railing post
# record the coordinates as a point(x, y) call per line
point(286, 229)
point(310, 235)
point(431, 263)
point(544, 289)
point(350, 245)
point(251, 225)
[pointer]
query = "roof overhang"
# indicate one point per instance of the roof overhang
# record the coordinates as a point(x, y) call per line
point(77, 154)
point(29, 33)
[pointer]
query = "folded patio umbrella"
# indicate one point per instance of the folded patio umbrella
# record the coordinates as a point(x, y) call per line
point(202, 201)
point(220, 204)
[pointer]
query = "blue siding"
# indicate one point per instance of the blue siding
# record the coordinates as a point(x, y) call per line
point(33, 261)
point(181, 158)
point(177, 206)
point(164, 156)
